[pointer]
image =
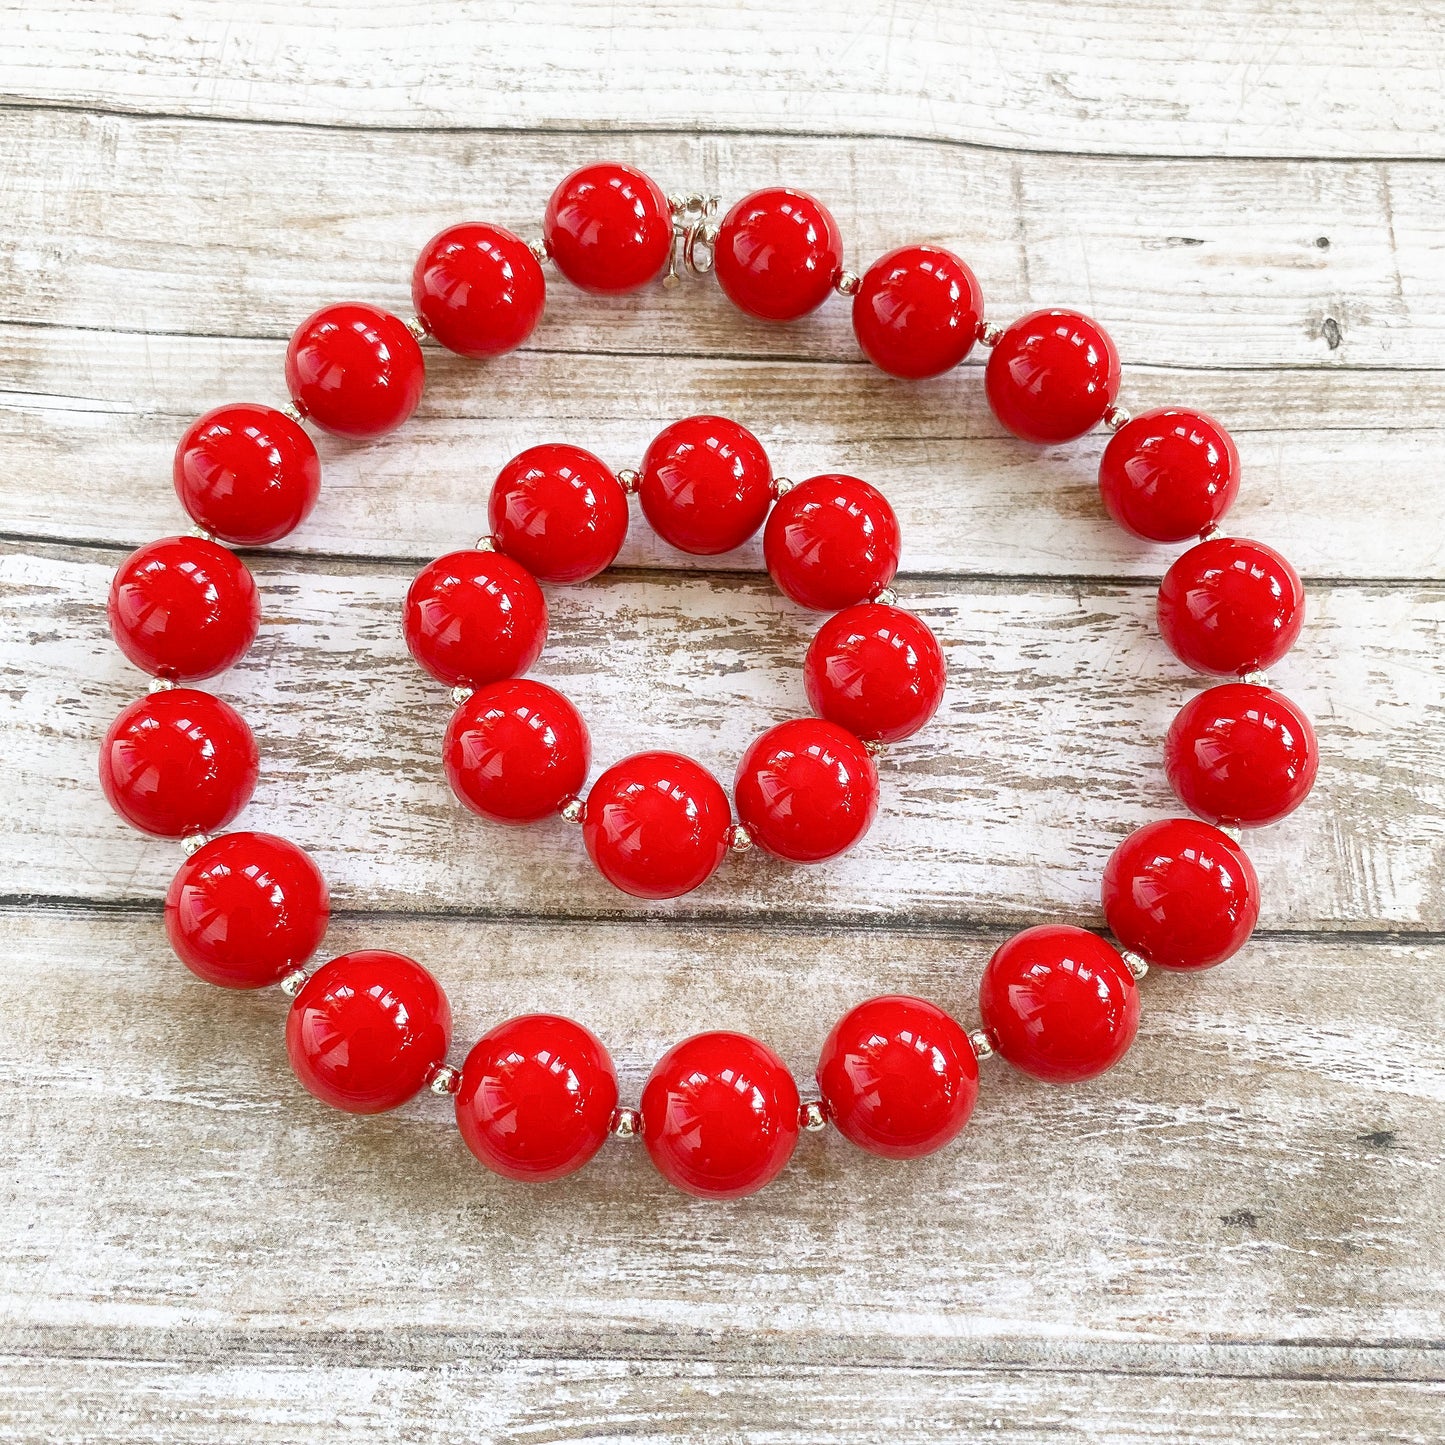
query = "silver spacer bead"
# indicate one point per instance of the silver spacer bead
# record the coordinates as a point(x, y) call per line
point(981, 1041)
point(847, 283)
point(417, 327)
point(780, 487)
point(194, 842)
point(446, 1080)
point(631, 480)
point(201, 532)
point(989, 334)
point(460, 693)
point(160, 684)
point(875, 747)
point(539, 249)
point(572, 810)
point(294, 982)
point(626, 1124)
point(1116, 417)
point(812, 1116)
point(1258, 678)
point(486, 544)
point(739, 839)
point(294, 412)
point(1137, 966)
point(886, 597)
point(1232, 830)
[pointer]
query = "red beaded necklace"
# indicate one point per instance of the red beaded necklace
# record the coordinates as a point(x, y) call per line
point(720, 1114)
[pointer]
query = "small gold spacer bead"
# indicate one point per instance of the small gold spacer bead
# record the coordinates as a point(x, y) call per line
point(294, 982)
point(1232, 831)
point(780, 487)
point(486, 544)
point(989, 334)
point(1116, 418)
point(194, 842)
point(1255, 676)
point(981, 1041)
point(739, 839)
point(445, 1081)
point(847, 283)
point(631, 480)
point(461, 693)
point(417, 327)
point(572, 810)
point(539, 249)
point(875, 747)
point(885, 597)
point(292, 410)
point(812, 1116)
point(626, 1124)
point(160, 684)
point(1137, 965)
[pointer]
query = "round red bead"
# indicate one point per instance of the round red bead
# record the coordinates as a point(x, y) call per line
point(898, 1077)
point(246, 909)
point(560, 512)
point(1052, 376)
point(705, 485)
point(876, 670)
point(916, 311)
point(1059, 1003)
point(478, 289)
point(720, 1115)
point(1181, 894)
point(778, 254)
point(1169, 474)
point(355, 370)
point(608, 228)
point(806, 790)
point(474, 617)
point(247, 473)
point(536, 1098)
point(1241, 754)
point(516, 751)
point(1231, 606)
point(656, 825)
point(178, 762)
point(368, 1031)
point(831, 541)
point(184, 608)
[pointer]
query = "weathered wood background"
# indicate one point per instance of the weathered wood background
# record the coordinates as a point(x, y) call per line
point(1235, 1236)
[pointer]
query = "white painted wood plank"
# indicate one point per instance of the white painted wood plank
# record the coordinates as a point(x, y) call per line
point(1249, 77)
point(1046, 751)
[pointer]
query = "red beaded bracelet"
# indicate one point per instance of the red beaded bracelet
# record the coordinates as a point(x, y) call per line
point(720, 1114)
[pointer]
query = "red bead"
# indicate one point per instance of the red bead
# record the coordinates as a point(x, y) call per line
point(1169, 474)
point(474, 617)
point(831, 541)
point(608, 228)
point(1241, 754)
point(898, 1077)
point(705, 485)
point(656, 825)
point(478, 289)
point(536, 1098)
point(368, 1031)
point(560, 512)
point(720, 1115)
point(1059, 1003)
point(246, 909)
point(247, 473)
point(1181, 894)
point(1052, 376)
point(178, 762)
point(183, 608)
point(778, 254)
point(806, 790)
point(876, 670)
point(516, 751)
point(355, 370)
point(916, 311)
point(1231, 606)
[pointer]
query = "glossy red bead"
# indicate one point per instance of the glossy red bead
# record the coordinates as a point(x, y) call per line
point(720, 1115)
point(246, 909)
point(1241, 754)
point(1052, 376)
point(1169, 474)
point(560, 512)
point(831, 541)
point(183, 608)
point(656, 825)
point(478, 289)
point(898, 1077)
point(876, 670)
point(355, 370)
point(474, 617)
point(247, 473)
point(778, 254)
point(916, 311)
point(1181, 894)
point(705, 485)
point(1059, 1003)
point(368, 1031)
point(516, 751)
point(536, 1098)
point(806, 790)
point(608, 228)
point(178, 762)
point(1231, 606)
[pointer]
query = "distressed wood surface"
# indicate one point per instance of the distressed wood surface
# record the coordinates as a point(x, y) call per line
point(1236, 1235)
